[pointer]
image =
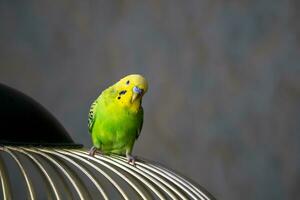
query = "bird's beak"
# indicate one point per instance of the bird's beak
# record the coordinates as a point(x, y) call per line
point(137, 92)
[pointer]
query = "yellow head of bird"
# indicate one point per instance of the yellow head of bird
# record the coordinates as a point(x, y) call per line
point(134, 85)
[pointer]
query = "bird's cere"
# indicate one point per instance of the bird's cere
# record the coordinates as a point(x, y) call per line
point(137, 90)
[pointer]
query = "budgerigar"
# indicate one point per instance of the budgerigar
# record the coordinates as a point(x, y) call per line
point(116, 117)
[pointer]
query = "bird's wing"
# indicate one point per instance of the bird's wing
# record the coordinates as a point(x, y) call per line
point(92, 115)
point(141, 123)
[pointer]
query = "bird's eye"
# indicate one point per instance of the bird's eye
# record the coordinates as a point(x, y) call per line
point(128, 82)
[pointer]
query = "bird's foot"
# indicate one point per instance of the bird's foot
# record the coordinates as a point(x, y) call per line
point(130, 159)
point(92, 151)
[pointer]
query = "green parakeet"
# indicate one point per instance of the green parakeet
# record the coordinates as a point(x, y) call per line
point(116, 117)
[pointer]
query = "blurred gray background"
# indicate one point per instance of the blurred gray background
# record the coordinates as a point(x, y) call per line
point(223, 106)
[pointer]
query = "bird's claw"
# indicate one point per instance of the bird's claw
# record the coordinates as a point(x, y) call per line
point(131, 160)
point(92, 151)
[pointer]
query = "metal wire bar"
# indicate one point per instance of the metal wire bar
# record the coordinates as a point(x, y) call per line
point(63, 170)
point(150, 177)
point(77, 176)
point(183, 181)
point(174, 181)
point(60, 179)
point(160, 172)
point(81, 168)
point(85, 155)
point(5, 183)
point(127, 169)
point(121, 191)
point(145, 169)
point(25, 175)
point(42, 169)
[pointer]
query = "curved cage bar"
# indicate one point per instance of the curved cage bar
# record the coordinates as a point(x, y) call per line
point(64, 173)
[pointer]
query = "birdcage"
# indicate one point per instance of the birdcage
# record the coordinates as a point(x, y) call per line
point(39, 160)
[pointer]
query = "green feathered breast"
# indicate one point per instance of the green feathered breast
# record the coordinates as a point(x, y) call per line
point(114, 128)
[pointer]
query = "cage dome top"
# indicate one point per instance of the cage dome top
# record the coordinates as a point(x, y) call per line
point(23, 121)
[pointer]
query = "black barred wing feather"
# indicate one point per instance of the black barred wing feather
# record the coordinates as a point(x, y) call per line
point(92, 115)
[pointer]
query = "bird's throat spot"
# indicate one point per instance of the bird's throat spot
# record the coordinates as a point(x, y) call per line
point(122, 92)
